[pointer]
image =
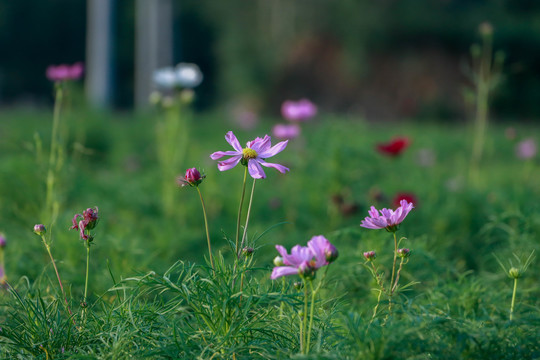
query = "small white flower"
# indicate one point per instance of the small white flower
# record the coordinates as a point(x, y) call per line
point(188, 75)
point(165, 78)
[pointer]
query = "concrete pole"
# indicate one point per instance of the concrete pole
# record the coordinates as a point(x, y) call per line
point(153, 44)
point(99, 43)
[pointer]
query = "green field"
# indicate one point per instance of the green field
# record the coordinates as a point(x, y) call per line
point(152, 294)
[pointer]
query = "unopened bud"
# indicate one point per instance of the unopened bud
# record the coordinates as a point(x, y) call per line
point(307, 270)
point(514, 273)
point(370, 255)
point(298, 285)
point(278, 261)
point(248, 251)
point(404, 253)
point(2, 241)
point(39, 229)
point(331, 253)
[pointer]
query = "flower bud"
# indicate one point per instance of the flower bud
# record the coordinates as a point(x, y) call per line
point(90, 217)
point(39, 229)
point(192, 178)
point(370, 255)
point(278, 261)
point(331, 253)
point(247, 251)
point(2, 241)
point(514, 273)
point(404, 253)
point(298, 285)
point(307, 270)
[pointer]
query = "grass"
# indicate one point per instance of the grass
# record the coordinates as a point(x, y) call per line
point(153, 295)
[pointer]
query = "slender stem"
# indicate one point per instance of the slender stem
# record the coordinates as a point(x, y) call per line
point(304, 316)
point(247, 216)
point(86, 280)
point(513, 299)
point(313, 294)
point(240, 213)
point(394, 264)
point(206, 228)
point(382, 290)
point(397, 276)
point(57, 275)
point(54, 151)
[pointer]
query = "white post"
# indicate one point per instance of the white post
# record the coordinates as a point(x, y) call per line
point(153, 44)
point(98, 74)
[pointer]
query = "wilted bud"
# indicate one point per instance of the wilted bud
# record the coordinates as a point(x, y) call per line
point(248, 251)
point(39, 229)
point(514, 273)
point(404, 253)
point(2, 241)
point(90, 217)
point(370, 255)
point(278, 261)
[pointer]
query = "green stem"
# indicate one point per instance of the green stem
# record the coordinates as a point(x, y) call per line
point(247, 216)
point(57, 275)
point(393, 274)
point(513, 299)
point(313, 294)
point(397, 276)
point(86, 279)
point(240, 214)
point(304, 318)
point(206, 228)
point(54, 152)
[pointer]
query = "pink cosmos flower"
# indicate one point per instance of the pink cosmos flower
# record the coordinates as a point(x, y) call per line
point(388, 219)
point(305, 260)
point(253, 155)
point(301, 110)
point(395, 147)
point(282, 131)
point(526, 149)
point(65, 72)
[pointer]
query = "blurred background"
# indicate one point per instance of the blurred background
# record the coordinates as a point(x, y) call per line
point(383, 60)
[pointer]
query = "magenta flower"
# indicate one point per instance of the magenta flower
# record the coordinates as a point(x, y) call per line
point(65, 72)
point(253, 155)
point(282, 131)
point(192, 178)
point(388, 219)
point(305, 260)
point(39, 229)
point(301, 110)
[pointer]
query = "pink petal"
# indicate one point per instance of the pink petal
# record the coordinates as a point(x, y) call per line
point(282, 169)
point(274, 150)
point(231, 139)
point(220, 154)
point(229, 163)
point(280, 271)
point(318, 244)
point(255, 169)
point(261, 145)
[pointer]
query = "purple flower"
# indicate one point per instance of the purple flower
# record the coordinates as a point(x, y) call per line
point(404, 253)
point(192, 178)
point(526, 149)
point(370, 255)
point(301, 110)
point(282, 131)
point(304, 260)
point(388, 219)
point(65, 72)
point(253, 155)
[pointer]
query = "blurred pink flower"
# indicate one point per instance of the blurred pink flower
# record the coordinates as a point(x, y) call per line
point(65, 72)
point(283, 131)
point(526, 149)
point(305, 260)
point(301, 110)
point(253, 155)
point(410, 197)
point(388, 219)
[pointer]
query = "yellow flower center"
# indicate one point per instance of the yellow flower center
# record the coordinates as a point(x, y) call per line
point(248, 153)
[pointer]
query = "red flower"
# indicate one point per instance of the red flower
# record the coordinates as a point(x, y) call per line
point(411, 198)
point(394, 147)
